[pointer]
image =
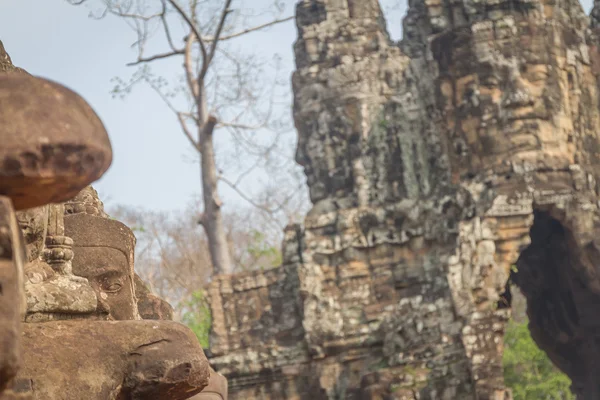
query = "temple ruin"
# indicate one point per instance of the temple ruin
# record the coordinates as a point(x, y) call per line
point(440, 168)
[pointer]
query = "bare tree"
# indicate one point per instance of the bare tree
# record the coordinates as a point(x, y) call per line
point(221, 89)
point(172, 251)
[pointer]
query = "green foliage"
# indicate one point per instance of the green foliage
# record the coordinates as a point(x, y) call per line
point(383, 123)
point(198, 317)
point(260, 249)
point(381, 364)
point(529, 371)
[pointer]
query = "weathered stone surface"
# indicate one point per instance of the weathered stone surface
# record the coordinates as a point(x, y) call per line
point(434, 165)
point(86, 202)
point(149, 305)
point(12, 300)
point(215, 390)
point(52, 290)
point(15, 252)
point(53, 144)
point(6, 65)
point(104, 254)
point(120, 360)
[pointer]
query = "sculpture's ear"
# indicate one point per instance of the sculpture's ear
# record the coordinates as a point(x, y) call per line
point(12, 294)
point(151, 306)
point(594, 51)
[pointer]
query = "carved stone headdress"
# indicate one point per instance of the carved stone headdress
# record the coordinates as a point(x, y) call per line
point(86, 202)
point(89, 226)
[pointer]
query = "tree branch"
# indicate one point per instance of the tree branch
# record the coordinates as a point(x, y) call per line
point(215, 41)
point(135, 17)
point(161, 95)
point(141, 60)
point(191, 25)
point(244, 196)
point(253, 29)
point(193, 84)
point(163, 17)
point(186, 131)
point(242, 126)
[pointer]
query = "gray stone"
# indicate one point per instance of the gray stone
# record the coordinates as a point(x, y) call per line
point(433, 165)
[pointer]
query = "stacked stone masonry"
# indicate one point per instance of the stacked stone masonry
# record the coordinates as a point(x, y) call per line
point(438, 168)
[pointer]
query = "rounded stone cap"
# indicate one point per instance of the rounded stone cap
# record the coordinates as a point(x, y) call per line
point(52, 144)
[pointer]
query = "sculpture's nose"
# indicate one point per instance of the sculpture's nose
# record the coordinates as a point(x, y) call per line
point(517, 98)
point(516, 95)
point(103, 307)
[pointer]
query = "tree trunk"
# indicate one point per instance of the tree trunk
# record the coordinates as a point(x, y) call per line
point(212, 219)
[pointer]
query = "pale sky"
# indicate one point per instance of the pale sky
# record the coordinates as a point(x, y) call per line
point(152, 166)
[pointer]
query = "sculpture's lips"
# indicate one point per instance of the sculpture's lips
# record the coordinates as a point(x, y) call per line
point(521, 114)
point(522, 121)
point(525, 117)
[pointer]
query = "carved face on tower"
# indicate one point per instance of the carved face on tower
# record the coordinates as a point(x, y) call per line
point(104, 255)
point(324, 151)
point(511, 90)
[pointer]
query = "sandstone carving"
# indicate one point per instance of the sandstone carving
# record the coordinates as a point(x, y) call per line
point(215, 390)
point(31, 162)
point(104, 255)
point(124, 359)
point(149, 305)
point(53, 146)
point(52, 290)
point(438, 167)
point(6, 65)
point(104, 250)
point(12, 301)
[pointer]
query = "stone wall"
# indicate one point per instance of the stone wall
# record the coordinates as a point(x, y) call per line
point(438, 167)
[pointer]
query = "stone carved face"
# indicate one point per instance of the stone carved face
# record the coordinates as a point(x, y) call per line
point(104, 255)
point(109, 273)
point(327, 148)
point(319, 154)
point(510, 92)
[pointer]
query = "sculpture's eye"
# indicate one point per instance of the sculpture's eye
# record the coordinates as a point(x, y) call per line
point(538, 76)
point(112, 287)
point(490, 82)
